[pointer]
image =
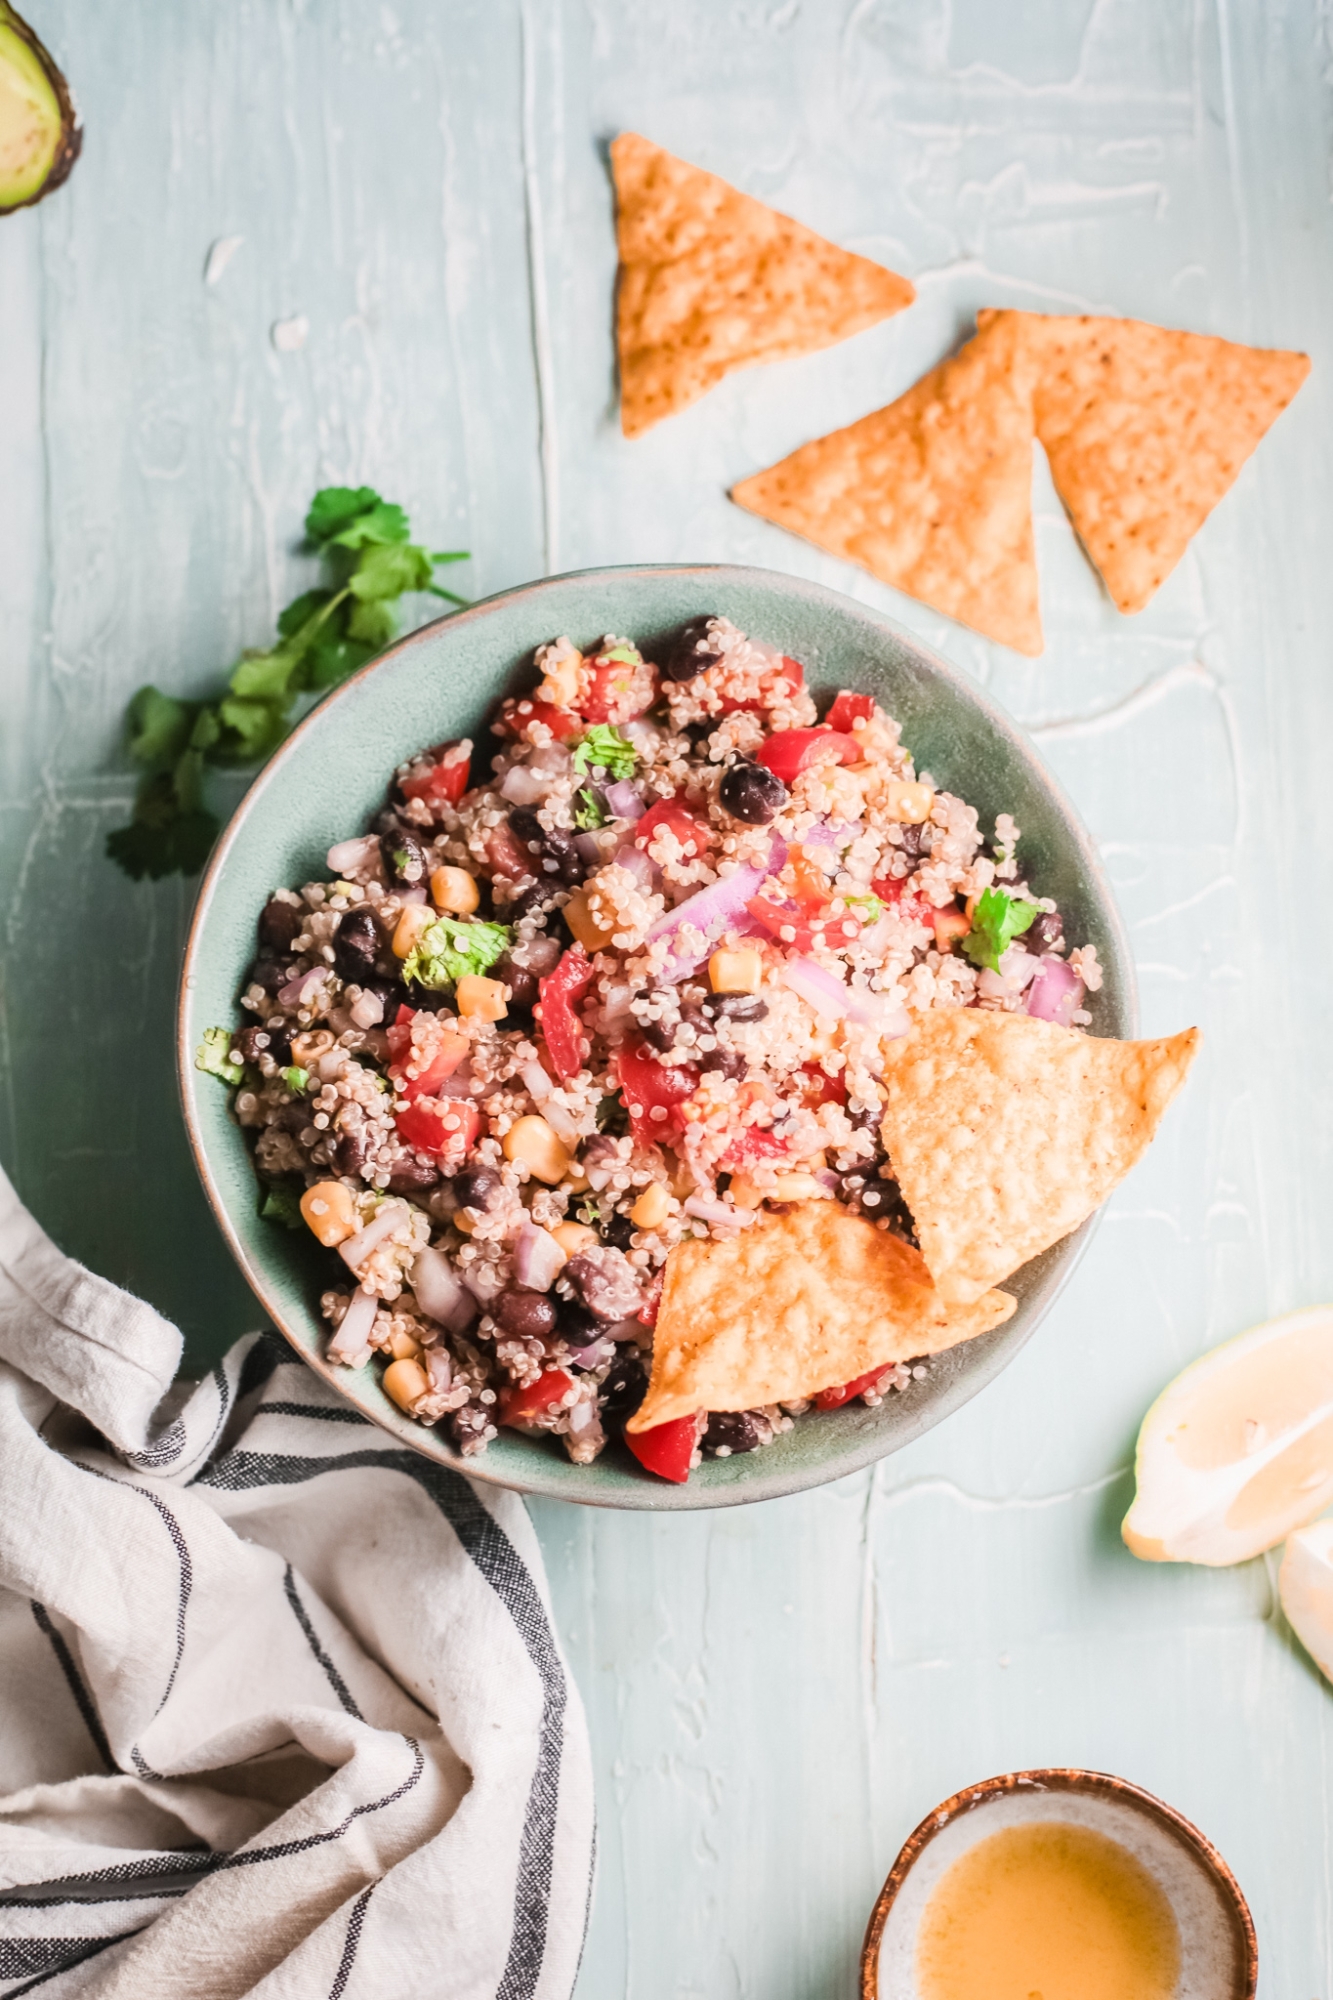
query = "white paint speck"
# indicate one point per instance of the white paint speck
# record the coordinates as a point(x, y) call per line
point(220, 256)
point(289, 334)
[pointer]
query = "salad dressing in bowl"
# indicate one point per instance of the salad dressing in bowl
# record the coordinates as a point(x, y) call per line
point(1052, 1910)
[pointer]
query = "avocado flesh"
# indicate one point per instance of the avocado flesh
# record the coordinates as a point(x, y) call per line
point(39, 132)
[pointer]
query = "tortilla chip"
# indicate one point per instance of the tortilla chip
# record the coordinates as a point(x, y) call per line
point(712, 280)
point(1006, 1132)
point(932, 494)
point(1145, 430)
point(804, 1300)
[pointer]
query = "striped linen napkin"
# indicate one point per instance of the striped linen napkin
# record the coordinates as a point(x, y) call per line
point(281, 1709)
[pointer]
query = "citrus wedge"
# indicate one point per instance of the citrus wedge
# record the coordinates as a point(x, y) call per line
point(1305, 1585)
point(1238, 1450)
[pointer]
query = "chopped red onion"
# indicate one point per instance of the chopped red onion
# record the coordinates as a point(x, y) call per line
point(414, 894)
point(538, 1258)
point(889, 1018)
point(705, 1210)
point(350, 1345)
point(816, 985)
point(712, 912)
point(560, 1122)
point(442, 1295)
point(536, 1081)
point(523, 786)
point(1056, 992)
point(368, 1011)
point(482, 1280)
point(1019, 967)
point(616, 1007)
point(828, 1180)
point(348, 857)
point(459, 1084)
point(294, 993)
point(588, 847)
point(636, 863)
point(625, 800)
point(440, 1369)
point(385, 1220)
point(596, 1352)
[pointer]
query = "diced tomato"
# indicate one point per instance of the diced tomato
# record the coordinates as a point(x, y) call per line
point(400, 1033)
point(833, 1399)
point(904, 902)
point(811, 886)
point(818, 1087)
point(518, 714)
point(792, 751)
point(446, 1128)
point(652, 1300)
point(808, 928)
point(519, 1406)
point(677, 821)
point(648, 1085)
point(752, 1146)
point(616, 690)
point(849, 708)
point(506, 854)
point(791, 673)
point(668, 1448)
point(418, 1035)
point(446, 777)
point(561, 1027)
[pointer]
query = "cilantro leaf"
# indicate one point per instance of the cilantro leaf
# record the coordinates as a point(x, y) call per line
point(384, 523)
point(589, 812)
point(334, 508)
point(997, 920)
point(373, 623)
point(158, 726)
point(300, 610)
point(257, 726)
point(281, 1203)
point(606, 749)
point(334, 659)
point(626, 655)
point(868, 908)
point(213, 1056)
point(452, 947)
point(295, 1078)
point(268, 675)
point(388, 569)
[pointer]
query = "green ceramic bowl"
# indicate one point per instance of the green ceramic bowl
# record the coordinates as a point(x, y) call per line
point(329, 778)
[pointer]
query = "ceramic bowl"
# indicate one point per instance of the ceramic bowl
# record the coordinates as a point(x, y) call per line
point(1219, 1954)
point(329, 777)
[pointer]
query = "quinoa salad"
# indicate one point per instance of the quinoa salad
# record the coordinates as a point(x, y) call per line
point(630, 985)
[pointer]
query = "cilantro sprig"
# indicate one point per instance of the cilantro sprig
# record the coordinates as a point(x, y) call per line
point(324, 635)
point(605, 749)
point(213, 1056)
point(589, 812)
point(996, 921)
point(452, 947)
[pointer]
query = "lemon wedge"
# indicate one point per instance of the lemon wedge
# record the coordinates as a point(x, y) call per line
point(1238, 1450)
point(1305, 1585)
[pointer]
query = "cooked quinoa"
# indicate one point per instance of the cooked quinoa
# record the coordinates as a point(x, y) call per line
point(632, 985)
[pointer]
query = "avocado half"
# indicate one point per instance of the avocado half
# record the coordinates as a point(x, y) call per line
point(40, 134)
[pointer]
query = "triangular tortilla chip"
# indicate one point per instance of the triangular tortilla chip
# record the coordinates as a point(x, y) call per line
point(1145, 430)
point(1006, 1132)
point(932, 494)
point(802, 1301)
point(712, 280)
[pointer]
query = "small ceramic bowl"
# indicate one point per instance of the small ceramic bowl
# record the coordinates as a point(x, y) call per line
point(330, 776)
point(1219, 1954)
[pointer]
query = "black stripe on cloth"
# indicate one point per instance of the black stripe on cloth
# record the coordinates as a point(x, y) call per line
point(320, 1414)
point(154, 1868)
point(83, 1700)
point(173, 1526)
point(355, 1920)
point(499, 1563)
point(167, 1449)
point(48, 1957)
point(68, 1889)
point(302, 1616)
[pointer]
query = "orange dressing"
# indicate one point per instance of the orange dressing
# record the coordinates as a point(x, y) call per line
point(1047, 1911)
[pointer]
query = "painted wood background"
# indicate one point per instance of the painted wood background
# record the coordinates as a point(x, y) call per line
point(776, 1695)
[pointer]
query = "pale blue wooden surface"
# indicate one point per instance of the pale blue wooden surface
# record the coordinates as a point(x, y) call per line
point(775, 1695)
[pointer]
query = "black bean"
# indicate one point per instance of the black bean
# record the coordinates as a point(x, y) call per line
point(693, 653)
point(251, 1043)
point(723, 1062)
point(659, 1035)
point(608, 1294)
point(351, 1153)
point(622, 1391)
point(617, 1230)
point(577, 1325)
point(520, 979)
point(405, 859)
point(735, 1007)
point(409, 1176)
point(915, 842)
point(750, 792)
point(531, 1315)
point(270, 973)
point(356, 945)
point(280, 1043)
point(552, 848)
point(732, 1431)
point(1045, 932)
point(477, 1188)
point(866, 1117)
point(279, 923)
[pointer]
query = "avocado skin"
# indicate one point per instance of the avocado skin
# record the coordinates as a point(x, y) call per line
point(71, 131)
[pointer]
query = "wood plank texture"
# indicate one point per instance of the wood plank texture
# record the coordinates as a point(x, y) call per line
point(778, 1694)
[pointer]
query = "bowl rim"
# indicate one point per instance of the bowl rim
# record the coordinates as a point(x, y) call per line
point(1073, 1779)
point(654, 1495)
